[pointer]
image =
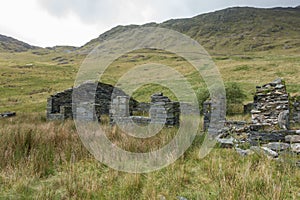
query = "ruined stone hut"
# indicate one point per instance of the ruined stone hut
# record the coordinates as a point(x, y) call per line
point(59, 105)
point(104, 99)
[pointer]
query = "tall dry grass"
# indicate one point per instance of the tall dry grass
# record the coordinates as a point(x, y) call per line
point(46, 160)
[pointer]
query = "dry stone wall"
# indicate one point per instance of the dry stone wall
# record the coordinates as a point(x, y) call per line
point(162, 111)
point(91, 100)
point(91, 96)
point(271, 106)
point(206, 115)
point(295, 110)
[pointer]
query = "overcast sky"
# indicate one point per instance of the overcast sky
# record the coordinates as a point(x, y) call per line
point(75, 22)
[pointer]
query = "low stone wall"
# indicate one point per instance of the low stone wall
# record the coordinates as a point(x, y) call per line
point(143, 108)
point(214, 112)
point(161, 111)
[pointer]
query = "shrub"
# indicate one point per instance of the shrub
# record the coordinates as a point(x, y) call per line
point(234, 97)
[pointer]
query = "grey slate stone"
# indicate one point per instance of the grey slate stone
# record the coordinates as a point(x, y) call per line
point(292, 138)
point(277, 146)
point(295, 148)
point(264, 150)
point(226, 143)
point(243, 152)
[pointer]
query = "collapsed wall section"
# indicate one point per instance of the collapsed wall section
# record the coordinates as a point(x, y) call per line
point(271, 106)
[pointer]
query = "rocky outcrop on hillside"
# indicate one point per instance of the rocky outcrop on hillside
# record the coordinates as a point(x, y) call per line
point(9, 44)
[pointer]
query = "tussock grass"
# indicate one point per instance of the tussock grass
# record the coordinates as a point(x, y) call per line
point(46, 160)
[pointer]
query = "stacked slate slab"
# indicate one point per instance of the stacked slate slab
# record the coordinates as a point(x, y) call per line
point(268, 132)
point(206, 114)
point(119, 110)
point(296, 110)
point(58, 104)
point(214, 112)
point(163, 111)
point(271, 106)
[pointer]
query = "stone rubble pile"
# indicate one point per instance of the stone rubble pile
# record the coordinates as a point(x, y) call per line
point(268, 133)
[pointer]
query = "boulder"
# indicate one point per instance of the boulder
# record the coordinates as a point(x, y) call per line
point(181, 198)
point(295, 148)
point(226, 143)
point(277, 146)
point(7, 114)
point(283, 120)
point(292, 138)
point(243, 152)
point(265, 151)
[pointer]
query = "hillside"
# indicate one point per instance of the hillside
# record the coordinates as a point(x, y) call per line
point(233, 30)
point(9, 44)
point(244, 43)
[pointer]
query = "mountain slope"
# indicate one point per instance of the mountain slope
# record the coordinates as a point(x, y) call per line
point(9, 44)
point(238, 29)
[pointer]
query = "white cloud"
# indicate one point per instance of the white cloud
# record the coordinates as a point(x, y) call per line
point(137, 11)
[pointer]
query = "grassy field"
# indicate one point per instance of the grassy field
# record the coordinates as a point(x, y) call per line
point(27, 79)
point(46, 160)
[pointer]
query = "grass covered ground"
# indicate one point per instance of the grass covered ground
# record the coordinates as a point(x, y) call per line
point(28, 78)
point(46, 160)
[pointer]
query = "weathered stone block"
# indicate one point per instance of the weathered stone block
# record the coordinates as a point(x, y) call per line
point(264, 150)
point(277, 146)
point(292, 138)
point(266, 137)
point(295, 148)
